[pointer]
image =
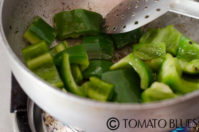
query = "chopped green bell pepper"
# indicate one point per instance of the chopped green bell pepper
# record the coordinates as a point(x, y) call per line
point(170, 74)
point(188, 50)
point(127, 85)
point(35, 50)
point(39, 30)
point(157, 91)
point(78, 22)
point(99, 47)
point(169, 35)
point(155, 64)
point(58, 48)
point(77, 74)
point(149, 51)
point(77, 55)
point(50, 74)
point(96, 68)
point(98, 89)
point(191, 67)
point(67, 76)
point(139, 66)
point(123, 39)
point(42, 65)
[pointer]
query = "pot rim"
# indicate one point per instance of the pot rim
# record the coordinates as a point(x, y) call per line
point(86, 101)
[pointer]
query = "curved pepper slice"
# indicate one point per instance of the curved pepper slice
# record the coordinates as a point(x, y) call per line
point(170, 74)
point(67, 76)
point(40, 61)
point(188, 49)
point(35, 50)
point(98, 89)
point(139, 66)
point(58, 48)
point(76, 23)
point(157, 91)
point(77, 74)
point(40, 30)
point(169, 35)
point(77, 55)
point(149, 51)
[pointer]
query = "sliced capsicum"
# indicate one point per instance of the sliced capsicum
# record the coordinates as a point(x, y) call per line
point(77, 55)
point(169, 35)
point(35, 50)
point(139, 66)
point(39, 30)
point(170, 74)
point(98, 90)
point(59, 48)
point(67, 76)
point(188, 49)
point(149, 51)
point(123, 39)
point(99, 47)
point(77, 74)
point(97, 68)
point(127, 85)
point(155, 64)
point(44, 67)
point(157, 92)
point(191, 67)
point(72, 24)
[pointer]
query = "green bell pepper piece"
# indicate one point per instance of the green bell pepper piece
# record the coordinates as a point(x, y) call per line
point(50, 74)
point(77, 55)
point(35, 50)
point(77, 74)
point(99, 47)
point(78, 22)
point(191, 67)
point(149, 51)
point(139, 66)
point(44, 67)
point(157, 92)
point(169, 35)
point(155, 64)
point(188, 50)
point(96, 68)
point(67, 76)
point(58, 48)
point(127, 85)
point(170, 74)
point(98, 89)
point(39, 30)
point(123, 39)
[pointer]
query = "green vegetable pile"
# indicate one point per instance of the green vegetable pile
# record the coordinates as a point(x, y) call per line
point(163, 63)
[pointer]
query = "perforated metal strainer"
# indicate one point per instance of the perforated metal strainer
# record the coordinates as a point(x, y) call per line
point(132, 14)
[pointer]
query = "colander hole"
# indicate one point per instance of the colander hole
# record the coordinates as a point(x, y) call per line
point(145, 7)
point(124, 26)
point(147, 16)
point(114, 28)
point(136, 22)
point(158, 9)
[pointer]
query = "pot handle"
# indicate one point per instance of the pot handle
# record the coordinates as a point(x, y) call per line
point(188, 8)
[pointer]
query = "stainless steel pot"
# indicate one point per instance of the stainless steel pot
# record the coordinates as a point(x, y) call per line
point(89, 115)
